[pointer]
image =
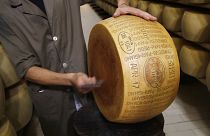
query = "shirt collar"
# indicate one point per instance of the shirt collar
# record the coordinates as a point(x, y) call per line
point(15, 3)
point(27, 7)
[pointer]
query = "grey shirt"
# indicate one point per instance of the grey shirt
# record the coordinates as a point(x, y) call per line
point(32, 38)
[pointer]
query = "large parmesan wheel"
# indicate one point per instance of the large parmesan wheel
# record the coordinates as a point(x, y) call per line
point(2, 100)
point(139, 65)
point(18, 106)
point(7, 71)
point(196, 26)
point(6, 129)
point(133, 3)
point(171, 18)
point(143, 5)
point(156, 10)
point(194, 61)
point(208, 76)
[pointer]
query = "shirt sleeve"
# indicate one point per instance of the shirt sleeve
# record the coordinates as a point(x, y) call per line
point(21, 55)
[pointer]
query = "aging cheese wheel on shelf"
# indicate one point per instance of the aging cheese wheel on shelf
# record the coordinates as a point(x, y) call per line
point(133, 3)
point(2, 100)
point(179, 42)
point(196, 26)
point(208, 76)
point(205, 45)
point(194, 61)
point(202, 80)
point(18, 106)
point(138, 63)
point(6, 129)
point(199, 1)
point(7, 71)
point(171, 18)
point(143, 5)
point(156, 10)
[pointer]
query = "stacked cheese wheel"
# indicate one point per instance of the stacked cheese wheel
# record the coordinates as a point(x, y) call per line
point(139, 65)
point(15, 103)
point(143, 5)
point(156, 10)
point(171, 18)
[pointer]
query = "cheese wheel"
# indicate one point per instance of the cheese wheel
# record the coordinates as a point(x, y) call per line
point(7, 71)
point(143, 5)
point(2, 100)
point(171, 18)
point(179, 42)
point(7, 129)
point(33, 128)
point(202, 80)
point(99, 3)
point(138, 63)
point(114, 2)
point(156, 10)
point(133, 3)
point(18, 106)
point(196, 26)
point(111, 10)
point(194, 61)
point(208, 76)
point(205, 45)
point(199, 1)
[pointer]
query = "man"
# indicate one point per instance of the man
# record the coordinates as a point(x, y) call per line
point(45, 42)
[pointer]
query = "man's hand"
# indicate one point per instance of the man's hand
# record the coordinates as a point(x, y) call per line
point(83, 83)
point(125, 9)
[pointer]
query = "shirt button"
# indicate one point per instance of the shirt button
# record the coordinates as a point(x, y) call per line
point(55, 38)
point(65, 65)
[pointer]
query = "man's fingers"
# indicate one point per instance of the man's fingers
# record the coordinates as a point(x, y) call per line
point(133, 11)
point(116, 13)
point(98, 83)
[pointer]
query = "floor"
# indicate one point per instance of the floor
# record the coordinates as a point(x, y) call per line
point(189, 114)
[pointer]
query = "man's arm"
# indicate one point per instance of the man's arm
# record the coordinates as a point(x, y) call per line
point(46, 77)
point(123, 9)
point(27, 64)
